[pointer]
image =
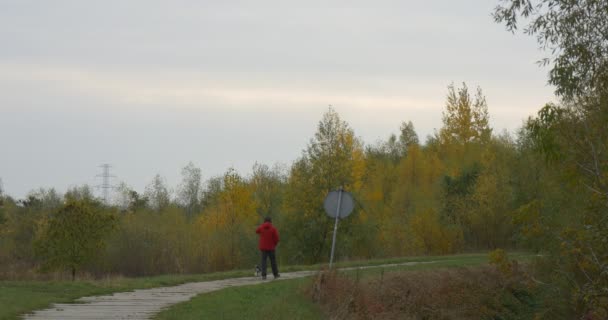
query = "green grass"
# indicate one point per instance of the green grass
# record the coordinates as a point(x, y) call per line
point(286, 300)
point(19, 297)
point(459, 258)
point(272, 300)
point(448, 261)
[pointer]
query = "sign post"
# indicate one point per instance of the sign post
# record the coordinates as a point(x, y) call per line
point(333, 241)
point(338, 204)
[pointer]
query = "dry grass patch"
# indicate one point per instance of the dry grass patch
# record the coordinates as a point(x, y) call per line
point(461, 293)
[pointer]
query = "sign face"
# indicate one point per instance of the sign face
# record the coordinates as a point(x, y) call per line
point(331, 204)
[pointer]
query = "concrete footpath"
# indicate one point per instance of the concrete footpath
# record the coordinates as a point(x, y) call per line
point(144, 304)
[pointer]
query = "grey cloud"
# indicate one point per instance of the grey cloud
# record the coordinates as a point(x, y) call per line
point(151, 85)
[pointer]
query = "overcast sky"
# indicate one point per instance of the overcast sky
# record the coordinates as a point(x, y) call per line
point(149, 86)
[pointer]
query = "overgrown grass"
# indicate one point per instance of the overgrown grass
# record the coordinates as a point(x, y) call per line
point(479, 292)
point(452, 289)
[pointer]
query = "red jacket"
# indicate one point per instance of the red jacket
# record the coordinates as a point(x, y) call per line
point(269, 236)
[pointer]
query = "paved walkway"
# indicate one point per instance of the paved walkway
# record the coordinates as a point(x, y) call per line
point(144, 304)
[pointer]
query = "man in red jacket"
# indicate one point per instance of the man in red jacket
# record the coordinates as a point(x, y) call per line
point(269, 238)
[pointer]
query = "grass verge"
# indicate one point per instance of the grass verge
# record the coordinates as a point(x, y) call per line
point(273, 300)
point(19, 297)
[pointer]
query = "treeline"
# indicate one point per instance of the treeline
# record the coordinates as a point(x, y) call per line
point(466, 188)
point(458, 191)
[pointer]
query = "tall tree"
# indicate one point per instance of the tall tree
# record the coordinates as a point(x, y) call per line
point(2, 214)
point(465, 119)
point(129, 200)
point(572, 211)
point(158, 194)
point(189, 191)
point(492, 197)
point(572, 138)
point(211, 191)
point(333, 158)
point(268, 189)
point(229, 222)
point(333, 153)
point(407, 136)
point(574, 31)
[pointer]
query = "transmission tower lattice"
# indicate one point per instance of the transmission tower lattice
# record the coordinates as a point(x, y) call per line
point(105, 185)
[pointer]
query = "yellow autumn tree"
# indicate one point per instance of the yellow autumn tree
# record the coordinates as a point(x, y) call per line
point(228, 225)
point(491, 219)
point(465, 130)
point(416, 197)
point(376, 196)
point(465, 119)
point(431, 235)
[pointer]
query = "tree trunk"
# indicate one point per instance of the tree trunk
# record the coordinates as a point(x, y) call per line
point(73, 273)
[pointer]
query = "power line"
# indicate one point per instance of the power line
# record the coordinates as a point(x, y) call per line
point(105, 185)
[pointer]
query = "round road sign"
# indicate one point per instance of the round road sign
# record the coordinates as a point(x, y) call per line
point(331, 204)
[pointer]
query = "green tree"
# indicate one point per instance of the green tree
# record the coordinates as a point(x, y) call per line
point(395, 147)
point(268, 189)
point(83, 192)
point(492, 197)
point(333, 158)
point(457, 193)
point(211, 191)
point(73, 235)
point(2, 214)
point(189, 191)
point(334, 153)
point(129, 200)
point(158, 194)
point(571, 136)
point(574, 31)
point(19, 229)
point(407, 136)
point(389, 150)
point(575, 144)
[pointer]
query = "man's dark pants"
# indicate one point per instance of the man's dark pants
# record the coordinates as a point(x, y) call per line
point(273, 262)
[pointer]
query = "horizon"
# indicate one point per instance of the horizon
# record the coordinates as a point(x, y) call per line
point(149, 88)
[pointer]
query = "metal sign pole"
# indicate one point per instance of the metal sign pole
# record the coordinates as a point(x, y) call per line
point(333, 242)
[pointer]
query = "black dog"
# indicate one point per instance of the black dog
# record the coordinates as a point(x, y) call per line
point(258, 271)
